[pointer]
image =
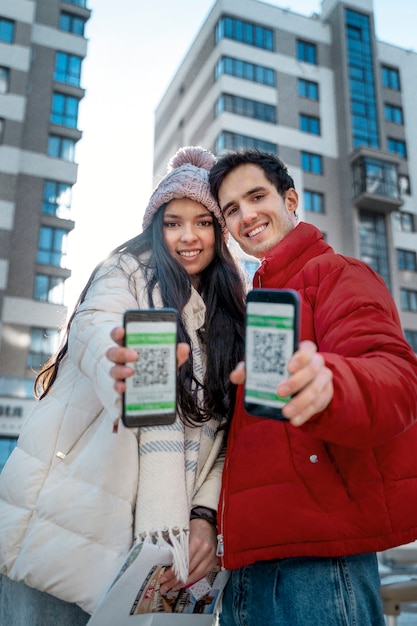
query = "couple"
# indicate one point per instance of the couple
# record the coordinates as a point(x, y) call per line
point(304, 506)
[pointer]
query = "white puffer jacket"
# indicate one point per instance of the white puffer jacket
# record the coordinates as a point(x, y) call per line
point(68, 491)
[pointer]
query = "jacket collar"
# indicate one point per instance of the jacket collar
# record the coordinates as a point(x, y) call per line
point(290, 255)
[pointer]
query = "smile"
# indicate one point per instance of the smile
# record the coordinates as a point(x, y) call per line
point(256, 231)
point(189, 253)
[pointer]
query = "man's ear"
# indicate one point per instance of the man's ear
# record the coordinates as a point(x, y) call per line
point(291, 201)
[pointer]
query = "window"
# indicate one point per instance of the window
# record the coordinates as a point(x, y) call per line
point(7, 445)
point(2, 124)
point(406, 260)
point(408, 300)
point(67, 69)
point(393, 114)
point(6, 30)
point(398, 146)
point(411, 338)
point(308, 89)
point(49, 289)
point(61, 148)
point(245, 32)
point(233, 141)
point(71, 23)
point(78, 3)
point(311, 163)
point(374, 176)
point(52, 246)
point(56, 199)
point(306, 52)
point(309, 124)
point(403, 222)
point(404, 183)
point(390, 78)
point(4, 79)
point(362, 93)
point(43, 343)
point(373, 243)
point(64, 110)
point(244, 106)
point(313, 201)
point(248, 71)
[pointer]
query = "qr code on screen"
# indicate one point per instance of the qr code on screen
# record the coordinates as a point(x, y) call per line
point(269, 353)
point(151, 368)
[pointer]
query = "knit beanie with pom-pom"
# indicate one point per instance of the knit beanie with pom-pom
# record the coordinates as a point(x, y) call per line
point(187, 177)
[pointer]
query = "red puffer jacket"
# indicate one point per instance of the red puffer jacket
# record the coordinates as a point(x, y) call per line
point(346, 481)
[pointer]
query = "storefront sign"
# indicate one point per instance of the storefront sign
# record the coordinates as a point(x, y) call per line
point(13, 412)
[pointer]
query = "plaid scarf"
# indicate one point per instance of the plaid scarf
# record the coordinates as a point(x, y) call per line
point(171, 459)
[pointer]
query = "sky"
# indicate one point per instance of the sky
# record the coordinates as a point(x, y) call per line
point(134, 50)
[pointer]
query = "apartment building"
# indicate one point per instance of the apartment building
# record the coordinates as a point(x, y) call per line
point(332, 101)
point(42, 47)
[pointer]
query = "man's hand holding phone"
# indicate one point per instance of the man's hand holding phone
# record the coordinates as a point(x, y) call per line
point(310, 383)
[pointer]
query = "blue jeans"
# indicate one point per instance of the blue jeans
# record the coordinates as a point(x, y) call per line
point(305, 592)
point(21, 605)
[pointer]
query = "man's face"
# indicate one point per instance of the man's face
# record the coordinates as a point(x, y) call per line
point(256, 215)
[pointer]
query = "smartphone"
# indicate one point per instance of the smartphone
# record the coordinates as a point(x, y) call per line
point(150, 396)
point(272, 336)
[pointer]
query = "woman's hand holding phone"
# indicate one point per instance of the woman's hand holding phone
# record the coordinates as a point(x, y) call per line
point(119, 355)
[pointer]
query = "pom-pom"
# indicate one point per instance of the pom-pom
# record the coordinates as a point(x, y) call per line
point(195, 155)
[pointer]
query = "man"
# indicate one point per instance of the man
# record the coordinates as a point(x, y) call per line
point(307, 503)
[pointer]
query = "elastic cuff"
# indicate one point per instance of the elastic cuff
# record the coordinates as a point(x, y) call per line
point(203, 512)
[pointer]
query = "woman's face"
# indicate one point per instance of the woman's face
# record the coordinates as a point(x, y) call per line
point(189, 234)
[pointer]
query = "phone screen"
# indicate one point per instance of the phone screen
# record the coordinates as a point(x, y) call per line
point(150, 396)
point(271, 339)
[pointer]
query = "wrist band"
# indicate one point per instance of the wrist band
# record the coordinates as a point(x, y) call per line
point(202, 512)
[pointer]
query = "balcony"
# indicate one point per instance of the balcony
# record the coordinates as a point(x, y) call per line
point(376, 184)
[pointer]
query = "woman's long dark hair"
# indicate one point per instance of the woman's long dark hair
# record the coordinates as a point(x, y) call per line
point(223, 291)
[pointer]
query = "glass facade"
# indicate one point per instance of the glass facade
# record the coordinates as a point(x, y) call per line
point(373, 243)
point(376, 177)
point(313, 201)
point(61, 148)
point(64, 110)
point(52, 246)
point(408, 300)
point(311, 162)
point(71, 23)
point(361, 80)
point(308, 89)
point(67, 69)
point(397, 146)
point(390, 78)
point(49, 289)
point(57, 199)
point(233, 141)
point(43, 343)
point(406, 260)
point(307, 52)
point(244, 106)
point(245, 70)
point(309, 124)
point(7, 445)
point(4, 79)
point(6, 30)
point(245, 32)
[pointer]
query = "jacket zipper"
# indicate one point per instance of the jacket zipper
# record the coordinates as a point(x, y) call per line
point(220, 536)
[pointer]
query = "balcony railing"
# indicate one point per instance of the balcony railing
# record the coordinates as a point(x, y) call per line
point(376, 183)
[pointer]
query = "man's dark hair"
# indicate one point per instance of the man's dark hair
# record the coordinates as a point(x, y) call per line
point(275, 170)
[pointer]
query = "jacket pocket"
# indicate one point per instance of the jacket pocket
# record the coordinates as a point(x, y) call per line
point(316, 468)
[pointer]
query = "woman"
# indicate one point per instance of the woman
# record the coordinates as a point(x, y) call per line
point(75, 494)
